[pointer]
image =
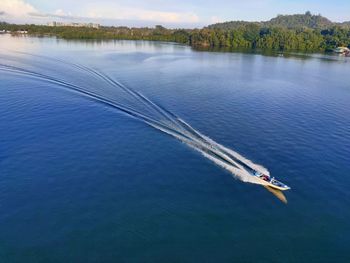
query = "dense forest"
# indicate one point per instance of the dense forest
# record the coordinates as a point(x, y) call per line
point(305, 32)
point(306, 20)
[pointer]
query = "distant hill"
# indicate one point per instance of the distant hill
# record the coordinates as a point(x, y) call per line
point(296, 21)
point(345, 24)
point(306, 20)
point(232, 24)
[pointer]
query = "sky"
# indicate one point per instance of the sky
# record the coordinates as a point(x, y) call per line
point(179, 13)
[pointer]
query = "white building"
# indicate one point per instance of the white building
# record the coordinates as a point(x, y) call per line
point(90, 25)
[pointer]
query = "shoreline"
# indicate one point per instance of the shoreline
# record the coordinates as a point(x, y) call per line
point(258, 51)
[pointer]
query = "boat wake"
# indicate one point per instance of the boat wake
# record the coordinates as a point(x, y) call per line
point(100, 87)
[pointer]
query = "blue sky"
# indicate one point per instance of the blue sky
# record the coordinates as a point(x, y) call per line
point(180, 13)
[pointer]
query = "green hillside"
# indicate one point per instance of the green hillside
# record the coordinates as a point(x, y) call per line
point(306, 20)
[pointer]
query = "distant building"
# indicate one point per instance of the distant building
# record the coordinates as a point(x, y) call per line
point(341, 50)
point(90, 25)
point(51, 23)
point(4, 31)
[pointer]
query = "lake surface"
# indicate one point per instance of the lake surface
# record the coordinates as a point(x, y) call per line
point(81, 181)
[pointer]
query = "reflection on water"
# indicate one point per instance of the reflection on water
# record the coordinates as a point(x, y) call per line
point(327, 56)
point(279, 194)
point(155, 46)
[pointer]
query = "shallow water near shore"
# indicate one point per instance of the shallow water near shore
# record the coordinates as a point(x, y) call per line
point(82, 182)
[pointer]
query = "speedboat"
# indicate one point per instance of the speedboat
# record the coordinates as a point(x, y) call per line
point(270, 181)
point(341, 50)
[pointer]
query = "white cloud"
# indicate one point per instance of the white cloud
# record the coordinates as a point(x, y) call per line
point(117, 12)
point(16, 8)
point(20, 11)
point(59, 12)
point(215, 19)
point(62, 13)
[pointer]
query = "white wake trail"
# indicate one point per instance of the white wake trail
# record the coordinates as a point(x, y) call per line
point(234, 154)
point(153, 114)
point(237, 172)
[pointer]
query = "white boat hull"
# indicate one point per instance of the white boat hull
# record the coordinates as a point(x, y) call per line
point(270, 182)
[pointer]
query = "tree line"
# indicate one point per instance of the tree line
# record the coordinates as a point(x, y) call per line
point(242, 35)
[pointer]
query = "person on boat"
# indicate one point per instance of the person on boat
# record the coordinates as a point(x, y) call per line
point(265, 177)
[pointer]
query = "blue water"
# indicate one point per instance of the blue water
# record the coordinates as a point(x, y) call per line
point(82, 182)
